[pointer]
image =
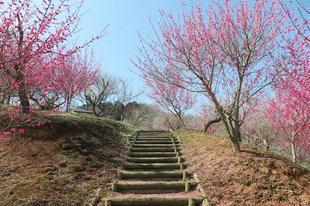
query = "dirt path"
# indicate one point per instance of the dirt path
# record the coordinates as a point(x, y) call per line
point(154, 174)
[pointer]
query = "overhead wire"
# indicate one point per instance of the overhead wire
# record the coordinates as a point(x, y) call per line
point(126, 22)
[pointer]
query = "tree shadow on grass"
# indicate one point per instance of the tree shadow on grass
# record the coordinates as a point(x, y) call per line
point(264, 155)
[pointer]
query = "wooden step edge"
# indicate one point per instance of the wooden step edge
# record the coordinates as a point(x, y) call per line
point(152, 186)
point(141, 149)
point(155, 145)
point(156, 159)
point(142, 201)
point(154, 166)
point(154, 154)
point(152, 173)
point(158, 175)
point(153, 137)
point(153, 142)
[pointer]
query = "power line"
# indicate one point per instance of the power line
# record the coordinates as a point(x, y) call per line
point(126, 22)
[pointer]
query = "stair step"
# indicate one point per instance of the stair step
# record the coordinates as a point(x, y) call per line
point(154, 169)
point(153, 154)
point(153, 133)
point(154, 145)
point(155, 137)
point(154, 166)
point(153, 142)
point(155, 159)
point(153, 187)
point(163, 149)
point(154, 201)
point(152, 174)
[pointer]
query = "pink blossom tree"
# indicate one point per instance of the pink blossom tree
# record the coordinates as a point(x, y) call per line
point(208, 119)
point(224, 54)
point(258, 129)
point(290, 108)
point(173, 99)
point(13, 121)
point(65, 78)
point(292, 120)
point(35, 57)
point(76, 74)
point(32, 31)
point(5, 89)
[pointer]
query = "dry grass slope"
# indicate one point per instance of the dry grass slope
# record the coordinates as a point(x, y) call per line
point(249, 178)
point(62, 163)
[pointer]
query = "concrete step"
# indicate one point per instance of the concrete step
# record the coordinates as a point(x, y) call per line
point(153, 166)
point(153, 187)
point(154, 154)
point(154, 201)
point(173, 175)
point(155, 159)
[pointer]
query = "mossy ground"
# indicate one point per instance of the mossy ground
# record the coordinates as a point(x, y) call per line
point(64, 162)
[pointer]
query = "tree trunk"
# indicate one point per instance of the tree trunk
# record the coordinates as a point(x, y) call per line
point(67, 106)
point(22, 90)
point(68, 102)
point(232, 133)
point(183, 124)
point(233, 129)
point(23, 98)
point(234, 136)
point(236, 146)
point(8, 100)
point(209, 123)
point(178, 114)
point(97, 114)
point(293, 150)
point(265, 145)
point(236, 139)
point(169, 123)
point(236, 109)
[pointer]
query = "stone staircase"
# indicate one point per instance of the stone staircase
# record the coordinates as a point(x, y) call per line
point(154, 174)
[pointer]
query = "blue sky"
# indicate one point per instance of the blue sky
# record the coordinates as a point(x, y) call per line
point(125, 19)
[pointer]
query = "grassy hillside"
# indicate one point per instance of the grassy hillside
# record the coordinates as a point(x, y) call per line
point(65, 162)
point(252, 177)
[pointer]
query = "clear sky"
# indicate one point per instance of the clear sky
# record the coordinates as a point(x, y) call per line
point(125, 19)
